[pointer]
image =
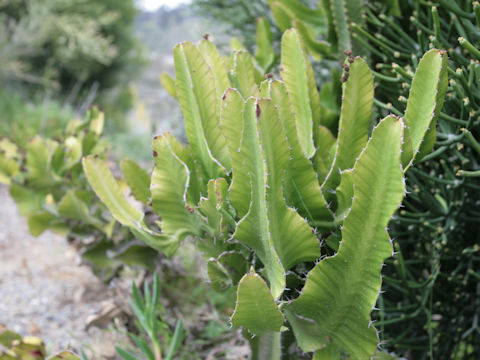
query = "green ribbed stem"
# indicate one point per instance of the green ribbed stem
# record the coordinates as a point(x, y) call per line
point(266, 346)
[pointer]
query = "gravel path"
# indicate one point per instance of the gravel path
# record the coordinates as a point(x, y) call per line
point(43, 289)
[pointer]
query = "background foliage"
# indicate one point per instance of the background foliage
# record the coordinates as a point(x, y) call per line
point(78, 51)
point(432, 286)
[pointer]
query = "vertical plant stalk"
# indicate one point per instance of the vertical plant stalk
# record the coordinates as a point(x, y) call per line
point(341, 290)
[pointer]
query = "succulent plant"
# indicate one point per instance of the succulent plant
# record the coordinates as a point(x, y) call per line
point(304, 248)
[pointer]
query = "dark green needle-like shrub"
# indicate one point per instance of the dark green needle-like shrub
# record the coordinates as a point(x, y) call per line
point(433, 279)
point(431, 301)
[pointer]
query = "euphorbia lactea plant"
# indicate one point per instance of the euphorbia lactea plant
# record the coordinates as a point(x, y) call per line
point(270, 194)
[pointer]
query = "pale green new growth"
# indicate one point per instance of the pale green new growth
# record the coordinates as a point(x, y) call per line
point(209, 207)
point(243, 74)
point(265, 54)
point(38, 163)
point(302, 190)
point(168, 84)
point(231, 120)
point(137, 180)
point(344, 195)
point(323, 158)
point(294, 73)
point(424, 104)
point(354, 119)
point(253, 229)
point(197, 97)
point(283, 16)
point(274, 231)
point(214, 60)
point(340, 24)
point(8, 161)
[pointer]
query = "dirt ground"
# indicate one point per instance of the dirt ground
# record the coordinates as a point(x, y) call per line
point(45, 292)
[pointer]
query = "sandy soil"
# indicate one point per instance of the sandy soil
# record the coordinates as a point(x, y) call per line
point(44, 291)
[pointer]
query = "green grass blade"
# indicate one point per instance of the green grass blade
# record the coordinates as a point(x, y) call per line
point(136, 297)
point(156, 290)
point(176, 340)
point(143, 346)
point(124, 354)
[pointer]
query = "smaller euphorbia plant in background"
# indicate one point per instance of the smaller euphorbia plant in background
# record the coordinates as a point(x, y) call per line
point(47, 182)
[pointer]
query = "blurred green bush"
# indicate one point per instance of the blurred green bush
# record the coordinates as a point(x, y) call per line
point(21, 120)
point(74, 50)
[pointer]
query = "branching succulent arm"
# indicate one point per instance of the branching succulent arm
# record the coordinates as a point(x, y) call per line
point(251, 186)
